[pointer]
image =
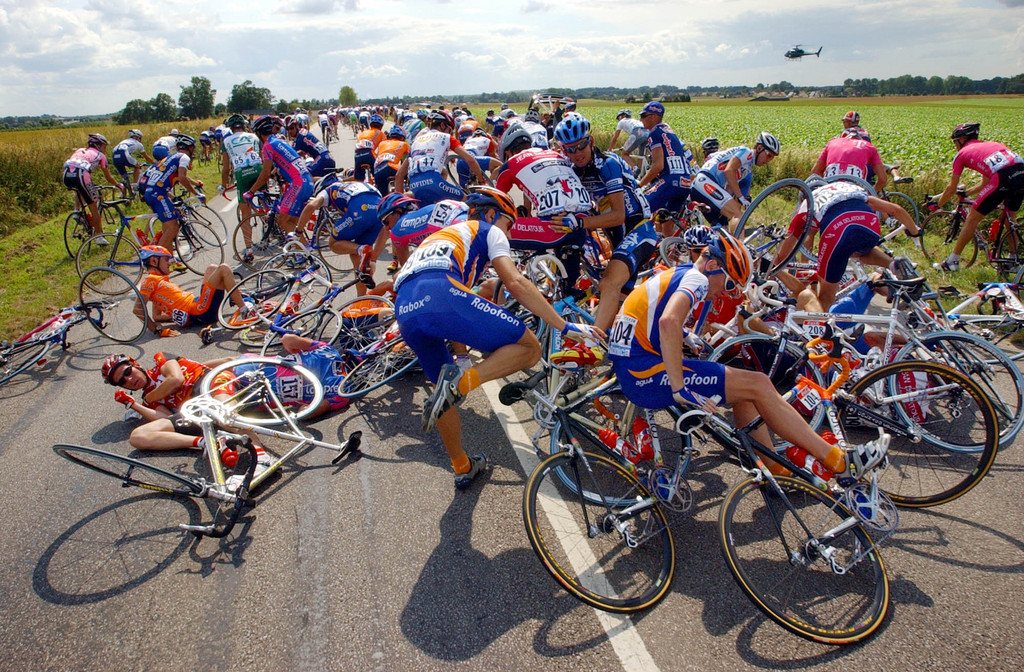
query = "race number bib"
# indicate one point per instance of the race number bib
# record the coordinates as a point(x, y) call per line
point(620, 341)
point(997, 160)
point(676, 164)
point(834, 169)
point(814, 329)
point(436, 256)
point(179, 317)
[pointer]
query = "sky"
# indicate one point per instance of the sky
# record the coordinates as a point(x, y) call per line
point(92, 56)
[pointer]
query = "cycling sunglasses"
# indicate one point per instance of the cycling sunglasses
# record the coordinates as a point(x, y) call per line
point(578, 147)
point(124, 376)
point(730, 284)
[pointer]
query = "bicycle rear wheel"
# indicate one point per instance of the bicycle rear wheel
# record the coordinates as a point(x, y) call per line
point(112, 308)
point(198, 244)
point(265, 390)
point(364, 320)
point(321, 237)
point(265, 237)
point(129, 471)
point(770, 214)
point(379, 368)
point(16, 357)
point(266, 292)
point(76, 231)
point(112, 250)
point(944, 430)
point(941, 229)
point(672, 251)
point(783, 570)
point(579, 542)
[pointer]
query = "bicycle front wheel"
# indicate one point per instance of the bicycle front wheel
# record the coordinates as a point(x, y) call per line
point(265, 390)
point(112, 306)
point(265, 240)
point(943, 427)
point(199, 244)
point(778, 556)
point(364, 320)
point(17, 357)
point(770, 214)
point(941, 229)
point(129, 471)
point(617, 560)
point(379, 368)
point(76, 231)
point(112, 250)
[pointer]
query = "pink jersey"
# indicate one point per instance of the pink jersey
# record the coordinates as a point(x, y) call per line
point(86, 158)
point(548, 180)
point(984, 157)
point(849, 156)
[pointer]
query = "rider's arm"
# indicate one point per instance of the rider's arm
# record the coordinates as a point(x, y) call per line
point(615, 136)
point(400, 174)
point(474, 165)
point(893, 210)
point(174, 378)
point(261, 179)
point(819, 165)
point(379, 243)
point(110, 178)
point(948, 192)
point(311, 206)
point(881, 175)
point(670, 328)
point(614, 217)
point(657, 163)
point(225, 171)
point(185, 181)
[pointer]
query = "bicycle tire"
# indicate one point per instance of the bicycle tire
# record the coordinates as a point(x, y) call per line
point(993, 328)
point(119, 253)
point(802, 594)
point(903, 245)
point(672, 251)
point(932, 460)
point(16, 357)
point(321, 237)
point(76, 231)
point(364, 320)
point(984, 363)
point(198, 245)
point(129, 471)
point(575, 541)
point(266, 291)
point(112, 310)
point(1007, 255)
point(941, 229)
point(321, 324)
point(265, 243)
point(379, 368)
point(768, 205)
point(252, 403)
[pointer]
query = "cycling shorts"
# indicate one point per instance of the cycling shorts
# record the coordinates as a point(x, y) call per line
point(359, 224)
point(1005, 186)
point(645, 383)
point(80, 182)
point(364, 161)
point(433, 308)
point(203, 311)
point(430, 187)
point(850, 228)
point(382, 178)
point(637, 247)
point(635, 141)
point(160, 152)
point(204, 140)
point(466, 173)
point(294, 199)
point(160, 203)
point(123, 161)
point(671, 194)
point(705, 190)
point(245, 178)
point(181, 425)
point(320, 167)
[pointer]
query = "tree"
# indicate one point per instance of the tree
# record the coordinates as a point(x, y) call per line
point(347, 96)
point(196, 101)
point(246, 96)
point(137, 111)
point(164, 107)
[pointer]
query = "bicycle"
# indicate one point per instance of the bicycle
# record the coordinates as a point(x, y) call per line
point(231, 411)
point(117, 249)
point(111, 315)
point(77, 228)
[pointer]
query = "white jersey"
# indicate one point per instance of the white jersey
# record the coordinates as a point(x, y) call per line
point(629, 126)
point(168, 141)
point(429, 151)
point(243, 150)
point(538, 134)
point(477, 145)
point(130, 147)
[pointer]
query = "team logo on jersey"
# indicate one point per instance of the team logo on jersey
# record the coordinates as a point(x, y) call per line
point(711, 191)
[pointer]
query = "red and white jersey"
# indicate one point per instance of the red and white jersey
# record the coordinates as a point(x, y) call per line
point(548, 180)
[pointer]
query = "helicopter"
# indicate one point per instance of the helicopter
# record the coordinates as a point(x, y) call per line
point(797, 52)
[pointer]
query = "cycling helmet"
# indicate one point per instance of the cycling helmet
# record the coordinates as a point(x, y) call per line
point(440, 118)
point(968, 131)
point(235, 120)
point(397, 132)
point(482, 197)
point(395, 202)
point(852, 116)
point(321, 184)
point(97, 139)
point(709, 145)
point(855, 133)
point(532, 114)
point(291, 120)
point(264, 125)
point(623, 113)
point(504, 106)
point(507, 113)
point(376, 121)
point(147, 252)
point(422, 113)
point(174, 131)
point(185, 142)
point(732, 254)
point(514, 140)
point(768, 141)
point(572, 129)
point(113, 363)
point(697, 237)
point(570, 106)
point(135, 134)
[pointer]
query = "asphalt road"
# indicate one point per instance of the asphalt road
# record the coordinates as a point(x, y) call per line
point(379, 564)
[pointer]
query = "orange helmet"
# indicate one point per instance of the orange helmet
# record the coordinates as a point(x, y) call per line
point(732, 254)
point(482, 197)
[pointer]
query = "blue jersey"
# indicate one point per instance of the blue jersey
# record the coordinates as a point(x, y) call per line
point(341, 194)
point(605, 175)
point(310, 144)
point(679, 161)
point(162, 176)
point(716, 163)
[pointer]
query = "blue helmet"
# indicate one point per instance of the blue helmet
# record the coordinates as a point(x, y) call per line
point(572, 128)
point(396, 132)
point(394, 202)
point(377, 121)
point(697, 237)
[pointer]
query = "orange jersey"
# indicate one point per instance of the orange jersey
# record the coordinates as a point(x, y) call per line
point(168, 297)
point(391, 152)
point(192, 371)
point(369, 139)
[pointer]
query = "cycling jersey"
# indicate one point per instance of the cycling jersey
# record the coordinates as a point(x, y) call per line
point(192, 372)
point(391, 153)
point(356, 203)
point(984, 157)
point(412, 128)
point(206, 138)
point(243, 150)
point(85, 159)
point(849, 156)
point(547, 179)
point(412, 227)
point(429, 151)
point(182, 306)
point(538, 133)
point(634, 128)
point(679, 165)
point(716, 163)
point(369, 139)
point(312, 146)
point(291, 388)
point(293, 170)
point(124, 154)
point(604, 175)
point(164, 146)
point(480, 145)
point(160, 178)
point(461, 250)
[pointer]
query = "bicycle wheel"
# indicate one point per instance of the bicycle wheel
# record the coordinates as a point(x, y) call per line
point(768, 217)
point(1007, 255)
point(903, 245)
point(129, 471)
point(322, 324)
point(112, 307)
point(198, 244)
point(112, 250)
point(986, 365)
point(584, 545)
point(296, 261)
point(321, 237)
point(941, 229)
point(364, 320)
point(780, 558)
point(379, 368)
point(16, 357)
point(265, 390)
point(993, 328)
point(943, 427)
point(265, 237)
point(672, 251)
point(76, 231)
point(266, 291)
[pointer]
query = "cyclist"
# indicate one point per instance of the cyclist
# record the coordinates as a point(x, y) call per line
point(695, 239)
point(407, 224)
point(636, 136)
point(428, 154)
point(435, 303)
point(646, 348)
point(723, 182)
point(172, 304)
point(482, 146)
point(125, 153)
point(415, 125)
point(390, 154)
point(848, 154)
point(277, 153)
point(851, 123)
point(324, 122)
point(77, 177)
point(206, 140)
point(1002, 181)
point(672, 164)
point(158, 181)
point(625, 215)
point(164, 144)
point(355, 229)
point(709, 146)
point(304, 141)
point(504, 121)
point(366, 147)
point(538, 133)
point(241, 161)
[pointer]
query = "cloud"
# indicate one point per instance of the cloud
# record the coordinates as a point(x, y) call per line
point(317, 6)
point(536, 6)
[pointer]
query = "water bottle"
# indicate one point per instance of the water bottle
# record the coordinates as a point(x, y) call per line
point(141, 237)
point(642, 438)
point(616, 443)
